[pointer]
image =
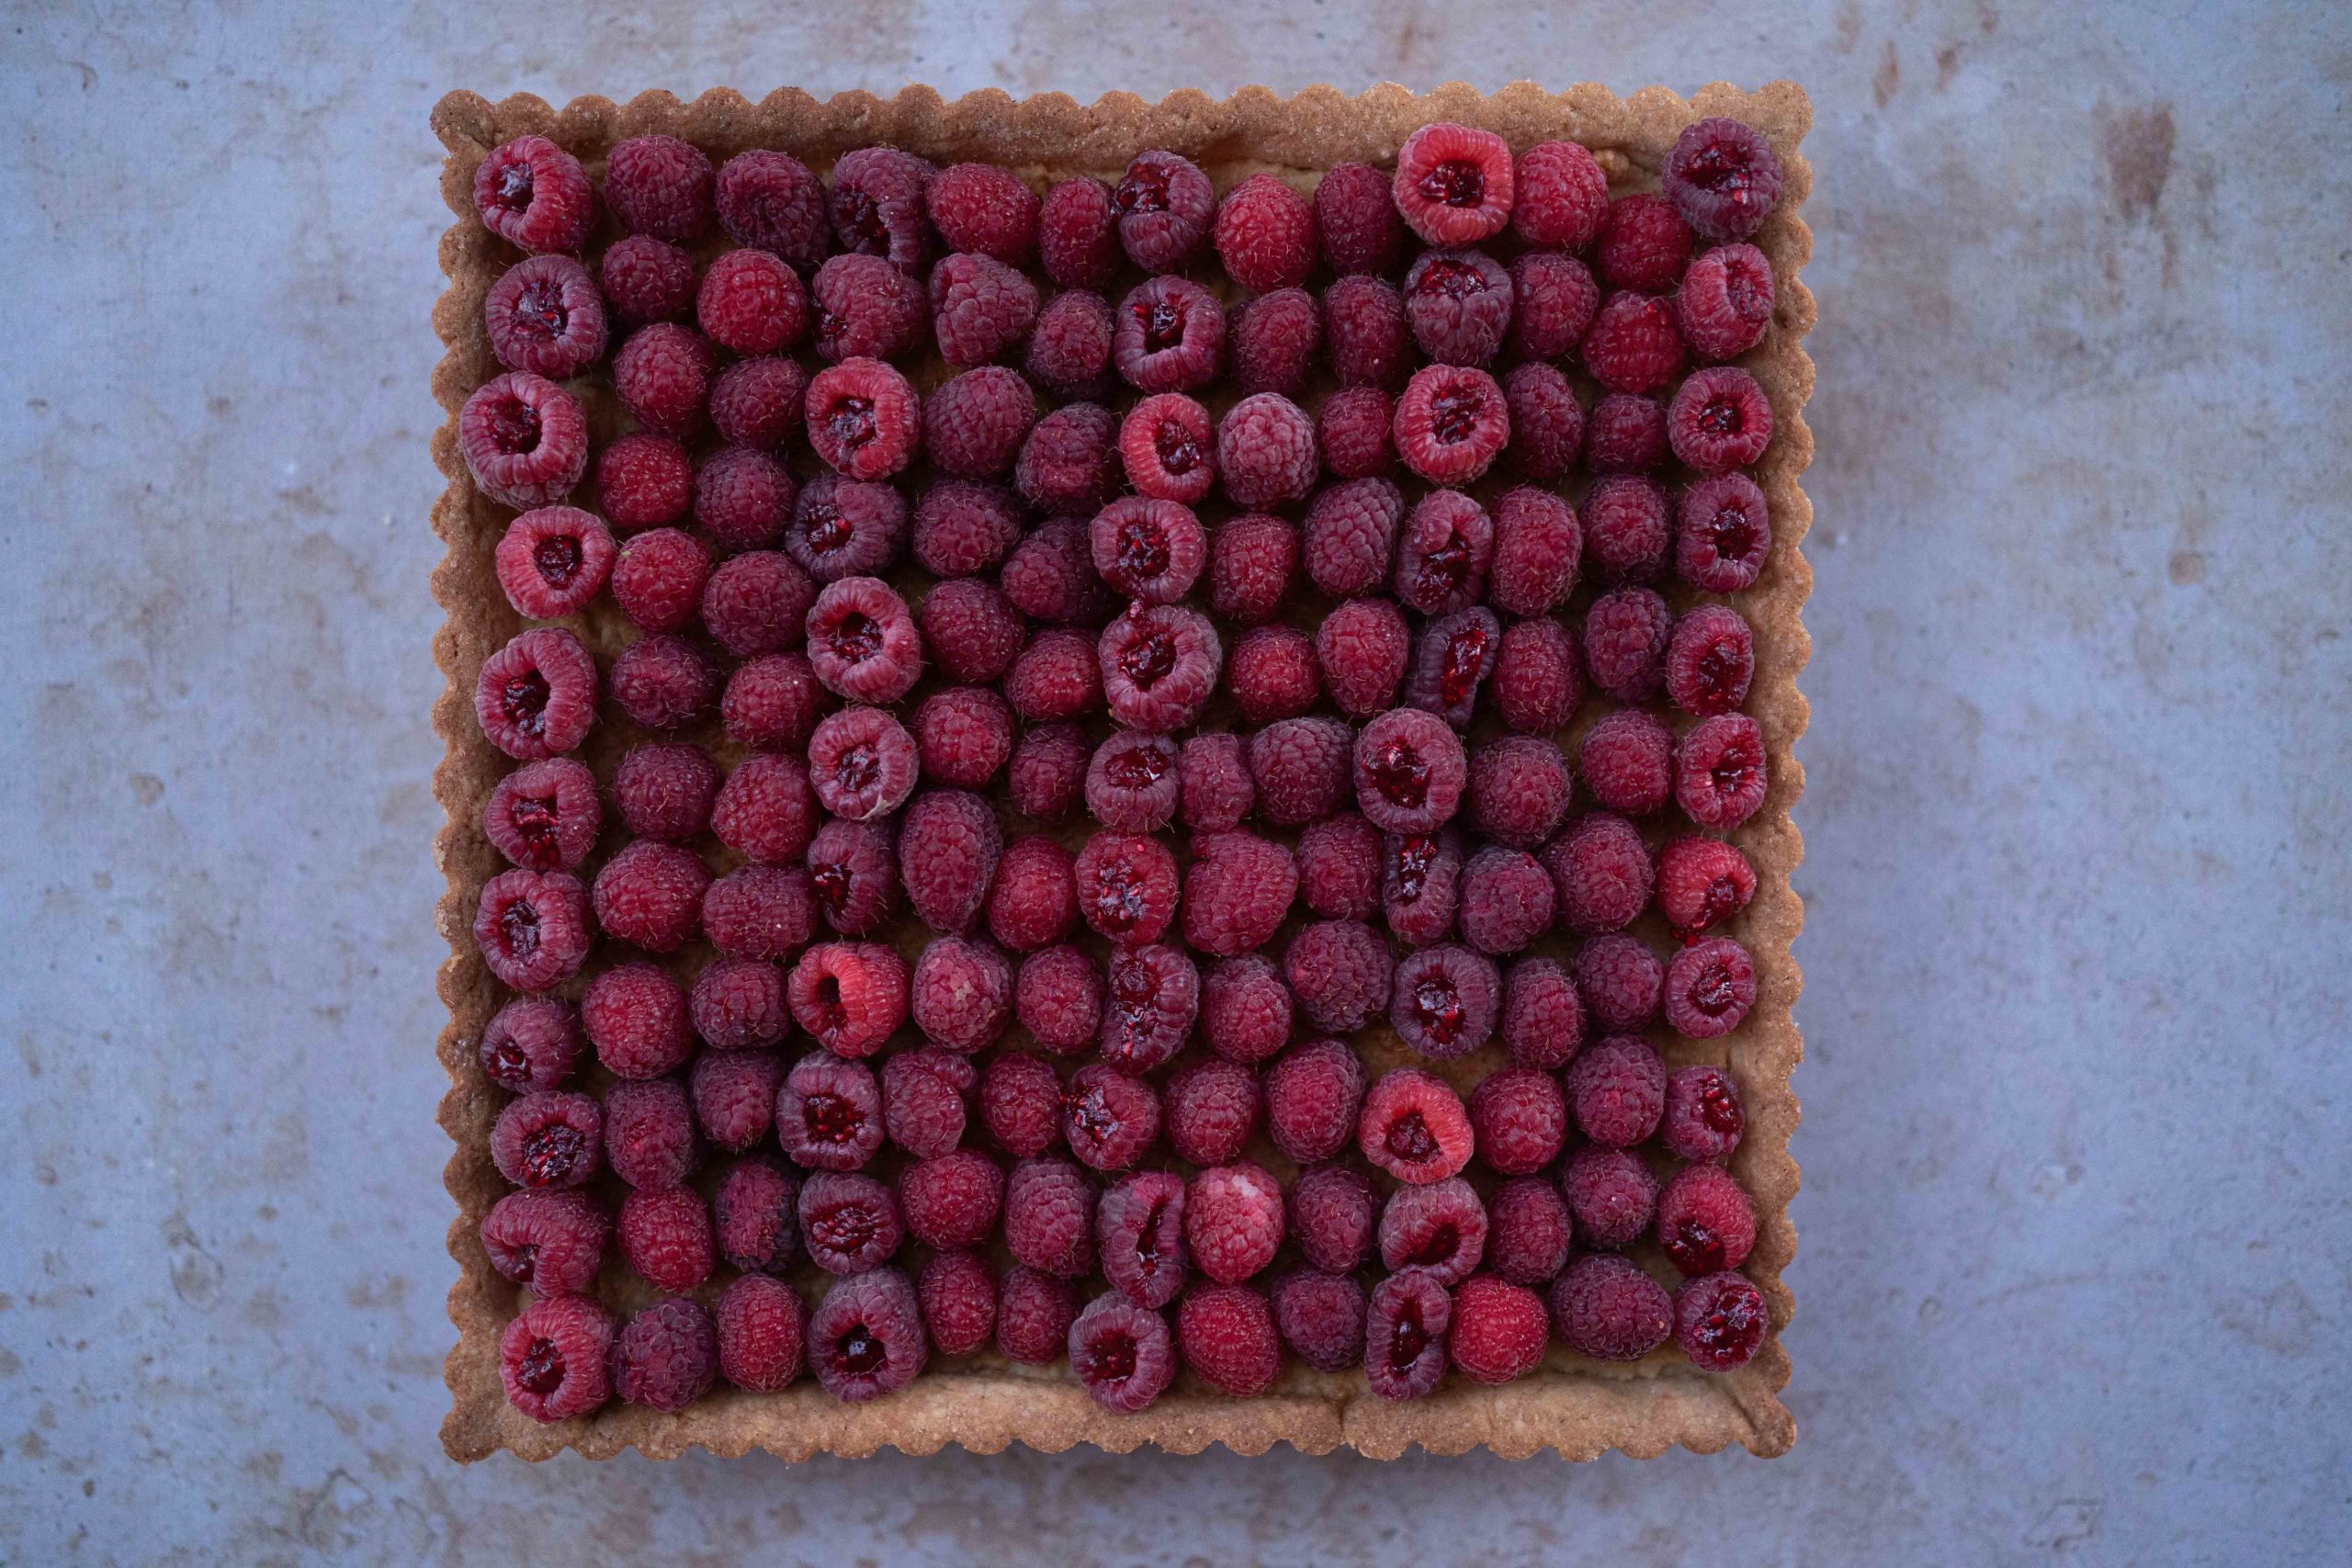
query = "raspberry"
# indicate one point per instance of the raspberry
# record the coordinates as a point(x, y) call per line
point(1353, 429)
point(1539, 677)
point(1238, 891)
point(1068, 351)
point(772, 702)
point(1227, 1335)
point(1555, 298)
point(1625, 527)
point(948, 847)
point(972, 631)
point(1059, 998)
point(1265, 234)
point(644, 481)
point(1034, 1315)
point(1274, 340)
point(1452, 423)
point(1633, 344)
point(1441, 561)
point(1562, 195)
point(553, 1242)
point(1164, 206)
point(1120, 1352)
point(1603, 872)
point(1719, 777)
point(865, 1339)
point(1719, 1321)
point(766, 811)
point(1047, 772)
point(1414, 1127)
point(1021, 1098)
point(665, 1236)
point(1444, 1000)
point(1625, 634)
point(1440, 1227)
point(1507, 900)
point(1321, 1318)
point(1409, 772)
point(737, 1004)
point(1035, 901)
point(952, 1200)
point(1365, 328)
point(842, 528)
point(532, 1043)
point(544, 816)
point(1253, 560)
point(762, 1333)
point(658, 578)
point(1719, 420)
point(1214, 789)
point(1362, 648)
point(1606, 1307)
point(1543, 1019)
point(1301, 768)
point(1127, 886)
point(850, 995)
point(752, 303)
point(649, 1138)
point(524, 440)
point(862, 642)
point(1132, 783)
point(757, 1209)
point(1339, 971)
point(1212, 1109)
point(1709, 985)
point(863, 419)
point(660, 186)
point(1519, 791)
point(980, 308)
point(1724, 535)
point(877, 206)
point(1703, 1117)
point(1619, 980)
point(962, 530)
point(829, 1113)
point(646, 279)
point(770, 200)
point(1245, 1009)
point(1140, 1221)
point(868, 308)
point(1148, 550)
point(1050, 574)
point(1339, 867)
point(535, 196)
point(1644, 244)
point(1153, 998)
point(1625, 433)
point(850, 1221)
point(552, 1139)
point(979, 207)
point(1706, 1221)
point(1332, 1213)
point(962, 995)
point(1355, 218)
point(1617, 1090)
point(1612, 1195)
point(663, 376)
point(1520, 1119)
point(1710, 659)
point(922, 1101)
point(1627, 763)
point(1722, 178)
point(757, 603)
point(1405, 1334)
point(1499, 1330)
point(551, 1357)
point(1420, 885)
point(975, 425)
point(532, 928)
point(1166, 444)
point(1049, 1218)
point(853, 874)
point(1169, 336)
point(1233, 1221)
point(1077, 244)
point(957, 1292)
point(862, 763)
point(1725, 303)
point(1528, 1230)
point(1273, 674)
point(1314, 1093)
point(1160, 666)
point(1458, 304)
point(546, 317)
point(635, 1017)
point(1454, 184)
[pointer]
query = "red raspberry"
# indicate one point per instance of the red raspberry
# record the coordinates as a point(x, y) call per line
point(1519, 790)
point(975, 425)
point(1499, 1330)
point(1562, 195)
point(1606, 1307)
point(865, 1339)
point(646, 279)
point(757, 1209)
point(1603, 872)
point(1127, 886)
point(1719, 418)
point(757, 602)
point(1122, 1354)
point(1719, 1321)
point(1458, 304)
point(1049, 1218)
point(1353, 429)
point(952, 1200)
point(1633, 344)
point(1627, 762)
point(1724, 535)
point(1644, 244)
point(962, 530)
point(1164, 205)
point(1265, 234)
point(738, 1004)
point(533, 1043)
point(649, 1135)
point(853, 874)
point(1301, 767)
point(1167, 445)
point(1409, 772)
point(1212, 1109)
point(1034, 1315)
point(1617, 1090)
point(1148, 550)
point(1314, 1093)
point(1626, 433)
point(1452, 423)
point(1132, 783)
point(1160, 666)
point(770, 200)
point(1169, 336)
point(1153, 996)
point(1245, 1009)
point(1253, 560)
point(1050, 574)
point(1020, 1099)
point(982, 208)
point(972, 631)
point(1625, 527)
point(532, 928)
point(962, 995)
point(1078, 243)
point(850, 995)
point(829, 1113)
point(1554, 298)
point(551, 1357)
point(663, 376)
point(760, 911)
point(1454, 184)
point(1068, 351)
point(552, 1139)
point(1405, 1333)
point(658, 578)
point(644, 481)
point(535, 196)
point(766, 810)
point(868, 308)
point(1702, 882)
point(1233, 1221)
point(1703, 1117)
point(1056, 677)
point(665, 1236)
point(1625, 634)
point(1539, 677)
point(1620, 980)
point(1507, 900)
point(752, 303)
point(1420, 884)
point(965, 735)
point(1355, 218)
point(546, 317)
point(958, 1291)
point(524, 440)
point(1706, 1221)
point(846, 528)
point(660, 186)
point(1059, 998)
point(1332, 1210)
point(1362, 648)
point(1444, 1000)
point(544, 816)
point(1274, 340)
point(772, 703)
point(1227, 1335)
point(1520, 1119)
point(1719, 779)
point(1440, 1227)
point(635, 1017)
point(850, 1221)
point(1238, 891)
point(1273, 674)
point(1722, 178)
point(1710, 659)
point(1612, 1195)
point(1546, 421)
point(862, 642)
point(1214, 789)
point(1363, 326)
point(862, 763)
point(1725, 303)
point(1339, 867)
point(1140, 1221)
point(948, 847)
point(553, 1242)
point(877, 207)
point(863, 419)
point(1441, 561)
point(1048, 774)
point(1709, 985)
point(1528, 1230)
point(1321, 1318)
point(1543, 1021)
point(923, 1095)
point(980, 308)
point(762, 1333)
point(1339, 971)
point(1414, 1127)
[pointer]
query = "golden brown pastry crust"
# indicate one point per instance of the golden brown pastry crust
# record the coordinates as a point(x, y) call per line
point(1579, 1407)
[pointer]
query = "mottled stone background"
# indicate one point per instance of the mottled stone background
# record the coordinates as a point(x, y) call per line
point(2075, 1263)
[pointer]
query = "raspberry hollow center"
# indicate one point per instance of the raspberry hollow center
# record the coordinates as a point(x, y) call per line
point(831, 1118)
point(1413, 860)
point(1143, 546)
point(1138, 767)
point(1733, 535)
point(1143, 190)
point(1465, 652)
point(1445, 568)
point(1114, 1357)
point(829, 882)
point(534, 817)
point(1179, 453)
point(1719, 669)
point(1440, 1245)
point(515, 195)
point(1732, 771)
point(863, 216)
point(1118, 900)
point(857, 639)
point(549, 1154)
point(557, 558)
point(859, 1352)
point(518, 927)
point(857, 768)
point(541, 1369)
point(1163, 324)
point(1408, 1338)
point(1453, 279)
point(1732, 1327)
point(1091, 1116)
point(1148, 659)
point(1400, 775)
point(826, 528)
point(1696, 1244)
point(1720, 1110)
point(846, 1229)
point(1455, 182)
point(1720, 416)
point(1722, 169)
point(1712, 993)
point(522, 1263)
point(540, 305)
point(1438, 1006)
point(1454, 414)
point(851, 422)
point(1410, 1138)
point(525, 700)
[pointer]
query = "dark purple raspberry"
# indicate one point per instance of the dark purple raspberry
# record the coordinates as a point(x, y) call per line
point(1050, 575)
point(868, 308)
point(1153, 996)
point(757, 603)
point(665, 1236)
point(852, 872)
point(1405, 1334)
point(766, 811)
point(1520, 1119)
point(1109, 1119)
point(1709, 661)
point(1033, 1314)
point(737, 1004)
point(958, 1291)
point(1033, 903)
point(963, 735)
point(1361, 648)
point(963, 530)
point(1519, 790)
point(1420, 884)
point(1366, 332)
point(1554, 298)
point(850, 1221)
point(1049, 1218)
point(948, 845)
point(1617, 1090)
point(865, 1339)
point(1078, 240)
point(650, 1137)
point(1057, 997)
point(1048, 774)
point(1608, 1308)
point(973, 426)
point(1722, 178)
point(876, 206)
point(1122, 1354)
point(762, 1333)
point(1253, 560)
point(1626, 434)
point(757, 1210)
point(1507, 900)
point(1332, 1214)
point(952, 1201)
point(1139, 1222)
point(1538, 549)
point(549, 1140)
point(1167, 336)
point(1314, 1093)
point(1409, 772)
point(1444, 1000)
point(1274, 341)
point(1720, 1321)
point(980, 308)
point(1612, 1195)
point(1214, 789)
point(1321, 1316)
point(1068, 351)
point(1349, 540)
point(961, 996)
point(668, 1355)
point(1538, 676)
point(1353, 428)
point(1127, 886)
point(646, 279)
point(1451, 663)
point(1164, 206)
point(1458, 304)
point(1441, 560)
point(1148, 550)
point(760, 911)
point(770, 200)
point(1356, 220)
point(1302, 769)
point(1723, 535)
point(1546, 421)
point(1619, 982)
point(1543, 1021)
point(1273, 674)
point(1266, 454)
point(1238, 891)
point(1709, 985)
point(772, 703)
point(1339, 971)
point(1528, 1230)
point(923, 1096)
point(1021, 1098)
point(546, 317)
point(1627, 762)
point(532, 1043)
point(1603, 872)
point(1625, 635)
point(551, 1242)
point(1245, 1009)
point(1440, 1227)
point(980, 206)
point(1212, 1107)
point(661, 374)
point(1626, 529)
point(1339, 867)
point(972, 631)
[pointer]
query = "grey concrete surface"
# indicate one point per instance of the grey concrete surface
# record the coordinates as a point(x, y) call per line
point(2074, 1260)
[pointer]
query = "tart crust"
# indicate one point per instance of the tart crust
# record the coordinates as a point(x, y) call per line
point(1576, 1407)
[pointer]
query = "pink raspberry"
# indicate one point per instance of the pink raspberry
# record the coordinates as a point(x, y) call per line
point(1056, 677)
point(1608, 1308)
point(1215, 790)
point(1265, 234)
point(1226, 1333)
point(770, 200)
point(1612, 1195)
point(865, 1339)
point(846, 528)
point(1253, 560)
point(766, 810)
point(1440, 1227)
point(1245, 1009)
point(1160, 666)
point(663, 376)
point(1332, 1210)
point(962, 994)
point(1212, 1107)
point(752, 303)
point(1361, 648)
point(1356, 220)
point(1459, 305)
point(1452, 423)
point(829, 1113)
point(853, 875)
point(532, 928)
point(1709, 985)
point(1538, 677)
point(1301, 767)
point(1725, 303)
point(665, 1236)
point(1068, 351)
point(1703, 883)
point(1625, 434)
point(757, 603)
point(1519, 790)
point(1132, 783)
point(958, 1291)
point(952, 1200)
point(1625, 527)
point(1644, 245)
point(964, 735)
point(1546, 421)
point(1553, 298)
point(524, 439)
point(1617, 1090)
point(862, 642)
point(868, 308)
point(1454, 184)
point(1723, 178)
point(1627, 763)
point(1321, 1317)
point(533, 1043)
point(948, 845)
point(1238, 891)
point(1520, 1119)
point(635, 1017)
point(1034, 1315)
point(650, 1137)
point(1350, 535)
point(1562, 195)
point(660, 186)
point(1019, 1096)
point(863, 419)
point(877, 207)
point(551, 1357)
point(1409, 772)
point(1353, 428)
point(1719, 420)
point(851, 996)
point(1625, 635)
point(549, 1140)
point(646, 279)
point(1405, 1334)
point(862, 763)
point(1444, 1000)
point(1314, 1093)
point(544, 816)
point(1528, 1230)
point(850, 1220)
point(1603, 872)
point(760, 911)
point(762, 1333)
point(982, 208)
point(1153, 996)
point(1499, 1330)
point(923, 1096)
point(963, 530)
point(535, 196)
point(1724, 535)
point(1146, 549)
point(1167, 445)
point(1507, 900)
point(1164, 205)
point(1719, 775)
point(1339, 972)
point(553, 1242)
point(644, 481)
point(1120, 1352)
point(1706, 1221)
point(1413, 1126)
point(1140, 1222)
point(737, 1004)
point(975, 425)
point(1169, 336)
point(980, 308)
point(1078, 240)
point(1049, 1218)
point(1127, 886)
point(1233, 1221)
point(1274, 340)
point(546, 317)
point(772, 702)
point(1719, 1320)
point(1441, 561)
point(1272, 674)
point(1633, 344)
point(1709, 661)
point(1703, 1119)
point(1420, 884)
point(658, 578)
point(758, 1214)
point(1620, 981)
point(1047, 772)
point(1059, 998)
point(1366, 332)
